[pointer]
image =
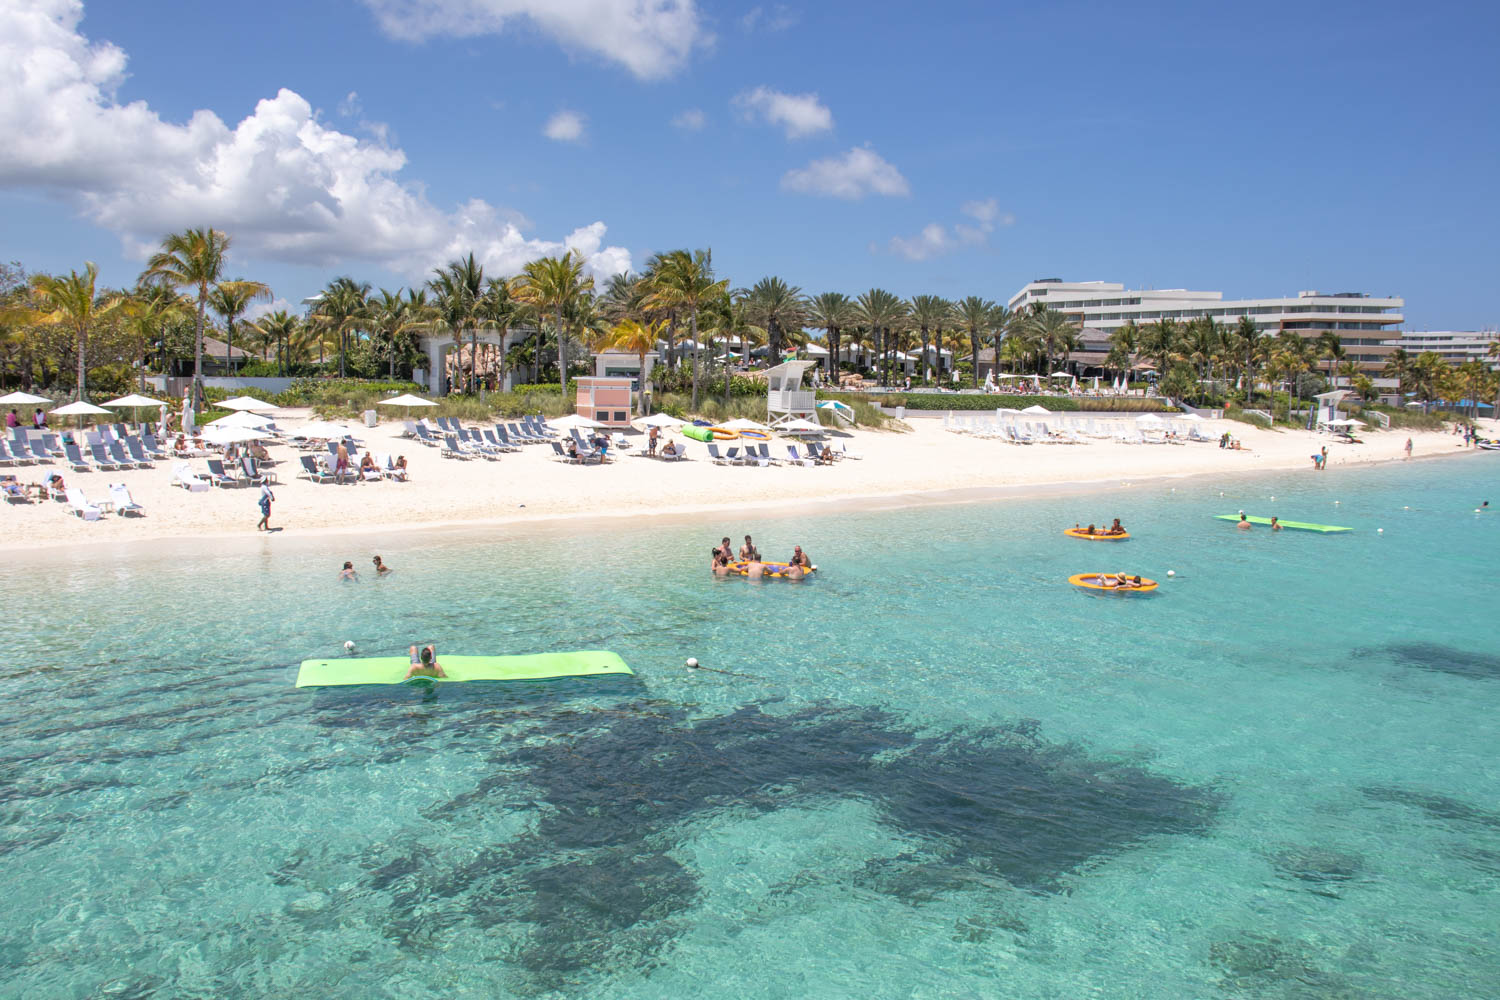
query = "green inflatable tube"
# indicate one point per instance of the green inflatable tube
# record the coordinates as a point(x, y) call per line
point(392, 669)
point(697, 433)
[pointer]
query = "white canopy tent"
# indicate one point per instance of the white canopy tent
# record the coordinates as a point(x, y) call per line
point(246, 403)
point(406, 400)
point(240, 418)
point(133, 401)
point(658, 420)
point(800, 426)
point(1040, 411)
point(573, 420)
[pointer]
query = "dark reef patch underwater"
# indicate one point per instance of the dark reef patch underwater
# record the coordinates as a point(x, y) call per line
point(591, 887)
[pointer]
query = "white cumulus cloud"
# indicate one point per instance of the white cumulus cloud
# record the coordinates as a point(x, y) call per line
point(565, 126)
point(650, 38)
point(800, 114)
point(690, 120)
point(284, 185)
point(935, 239)
point(859, 172)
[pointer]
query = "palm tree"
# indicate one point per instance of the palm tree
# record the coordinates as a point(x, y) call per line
point(974, 315)
point(554, 283)
point(1247, 340)
point(639, 339)
point(686, 280)
point(73, 302)
point(1426, 377)
point(278, 328)
point(394, 317)
point(775, 306)
point(500, 308)
point(1330, 349)
point(1202, 342)
point(928, 314)
point(831, 312)
point(1123, 344)
point(1051, 329)
point(1292, 354)
point(230, 299)
point(1398, 365)
point(880, 311)
point(190, 259)
point(457, 288)
point(155, 308)
point(1160, 343)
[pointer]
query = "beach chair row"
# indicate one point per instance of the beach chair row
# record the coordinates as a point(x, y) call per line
point(246, 472)
point(109, 456)
point(318, 470)
point(119, 502)
point(505, 437)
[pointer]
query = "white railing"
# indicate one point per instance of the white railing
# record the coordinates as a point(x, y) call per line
point(1260, 413)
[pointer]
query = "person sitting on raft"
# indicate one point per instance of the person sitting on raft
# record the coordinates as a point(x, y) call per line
point(424, 664)
point(1116, 528)
point(1090, 530)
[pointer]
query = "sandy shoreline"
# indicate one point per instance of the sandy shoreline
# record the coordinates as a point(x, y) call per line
point(928, 465)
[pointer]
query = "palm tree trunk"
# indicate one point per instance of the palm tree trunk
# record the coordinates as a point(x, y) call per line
point(697, 352)
point(562, 353)
point(473, 358)
point(83, 343)
point(341, 354)
point(198, 348)
point(974, 355)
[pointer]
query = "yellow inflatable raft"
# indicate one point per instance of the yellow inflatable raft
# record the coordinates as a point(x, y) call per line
point(1094, 581)
point(1097, 536)
point(771, 568)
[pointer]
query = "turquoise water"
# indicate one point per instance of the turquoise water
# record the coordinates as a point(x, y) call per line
point(935, 770)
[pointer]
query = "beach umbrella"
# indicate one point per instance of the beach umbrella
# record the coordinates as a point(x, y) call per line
point(406, 400)
point(133, 402)
point(799, 426)
point(246, 403)
point(241, 418)
point(231, 435)
point(743, 424)
point(80, 410)
point(1148, 418)
point(843, 411)
point(658, 420)
point(1192, 417)
point(23, 399)
point(1040, 411)
point(325, 430)
point(575, 420)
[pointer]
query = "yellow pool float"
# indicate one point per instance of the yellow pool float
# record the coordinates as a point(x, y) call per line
point(1095, 581)
point(1097, 536)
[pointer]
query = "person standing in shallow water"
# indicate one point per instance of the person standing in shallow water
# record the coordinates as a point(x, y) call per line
point(1408, 450)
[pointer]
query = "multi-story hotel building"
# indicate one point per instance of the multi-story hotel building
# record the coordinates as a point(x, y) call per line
point(1453, 346)
point(1367, 327)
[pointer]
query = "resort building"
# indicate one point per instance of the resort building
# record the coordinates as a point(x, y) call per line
point(1453, 346)
point(1367, 327)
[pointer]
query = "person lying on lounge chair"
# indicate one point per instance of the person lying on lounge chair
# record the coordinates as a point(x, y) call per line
point(424, 664)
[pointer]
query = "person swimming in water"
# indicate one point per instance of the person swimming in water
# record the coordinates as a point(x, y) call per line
point(347, 574)
point(424, 664)
point(1275, 524)
point(1244, 525)
point(381, 569)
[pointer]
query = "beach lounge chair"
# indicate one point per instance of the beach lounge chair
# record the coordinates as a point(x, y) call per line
point(75, 460)
point(559, 454)
point(103, 461)
point(119, 495)
point(6, 458)
point(498, 445)
point(255, 471)
point(312, 470)
point(426, 437)
point(154, 449)
point(184, 476)
point(844, 452)
point(409, 429)
point(80, 506)
point(138, 453)
point(714, 456)
point(21, 448)
point(796, 459)
point(452, 450)
point(117, 455)
point(680, 447)
point(46, 444)
point(14, 492)
point(219, 477)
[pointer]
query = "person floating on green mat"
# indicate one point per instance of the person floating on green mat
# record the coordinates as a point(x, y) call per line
point(424, 664)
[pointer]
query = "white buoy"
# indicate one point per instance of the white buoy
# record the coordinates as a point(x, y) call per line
point(1273, 498)
point(692, 661)
point(1171, 572)
point(349, 645)
point(1379, 531)
point(1337, 502)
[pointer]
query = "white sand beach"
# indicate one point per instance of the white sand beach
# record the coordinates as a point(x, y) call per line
point(924, 463)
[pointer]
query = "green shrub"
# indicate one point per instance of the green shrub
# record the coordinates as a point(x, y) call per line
point(981, 401)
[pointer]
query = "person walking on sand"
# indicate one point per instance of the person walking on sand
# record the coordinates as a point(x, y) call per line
point(1408, 450)
point(266, 496)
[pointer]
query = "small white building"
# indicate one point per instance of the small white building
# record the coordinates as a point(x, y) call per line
point(786, 399)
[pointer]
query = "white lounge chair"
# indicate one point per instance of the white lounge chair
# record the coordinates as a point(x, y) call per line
point(183, 475)
point(81, 506)
point(119, 495)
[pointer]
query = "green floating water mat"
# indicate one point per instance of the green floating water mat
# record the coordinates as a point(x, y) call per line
point(1326, 529)
point(391, 669)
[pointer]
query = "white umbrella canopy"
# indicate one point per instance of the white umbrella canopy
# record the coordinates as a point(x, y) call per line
point(1190, 416)
point(80, 409)
point(799, 426)
point(240, 418)
point(133, 400)
point(1038, 410)
point(843, 411)
point(575, 420)
point(1148, 418)
point(658, 420)
point(405, 399)
point(231, 435)
point(23, 399)
point(325, 430)
point(246, 403)
point(743, 424)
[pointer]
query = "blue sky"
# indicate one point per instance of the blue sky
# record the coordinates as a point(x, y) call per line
point(947, 148)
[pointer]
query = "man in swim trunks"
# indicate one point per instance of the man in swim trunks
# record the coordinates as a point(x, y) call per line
point(799, 558)
point(651, 438)
point(1244, 525)
point(424, 664)
point(725, 549)
point(748, 551)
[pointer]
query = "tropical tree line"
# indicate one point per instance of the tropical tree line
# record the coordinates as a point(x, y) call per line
point(550, 316)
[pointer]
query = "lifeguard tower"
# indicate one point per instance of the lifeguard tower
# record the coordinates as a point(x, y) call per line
point(785, 398)
point(604, 399)
point(1328, 406)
